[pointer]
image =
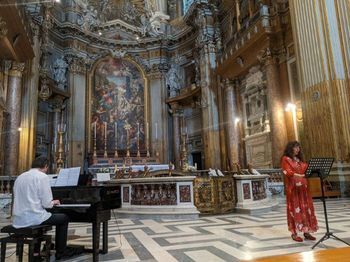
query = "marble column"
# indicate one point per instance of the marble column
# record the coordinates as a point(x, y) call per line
point(75, 140)
point(232, 125)
point(162, 6)
point(176, 133)
point(207, 51)
point(13, 106)
point(275, 106)
point(29, 106)
point(158, 118)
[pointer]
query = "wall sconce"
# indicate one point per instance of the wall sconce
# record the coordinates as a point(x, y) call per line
point(237, 120)
point(19, 129)
point(290, 107)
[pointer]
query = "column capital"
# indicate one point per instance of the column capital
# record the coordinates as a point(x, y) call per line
point(7, 65)
point(76, 65)
point(176, 108)
point(227, 85)
point(3, 28)
point(57, 104)
point(16, 69)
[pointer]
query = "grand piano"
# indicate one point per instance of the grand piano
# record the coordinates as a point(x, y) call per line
point(89, 204)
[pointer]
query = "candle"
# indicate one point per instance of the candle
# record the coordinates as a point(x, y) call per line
point(147, 130)
point(127, 138)
point(116, 130)
point(95, 130)
point(138, 129)
point(156, 130)
point(105, 130)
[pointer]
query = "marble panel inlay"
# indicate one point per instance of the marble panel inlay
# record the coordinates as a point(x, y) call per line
point(153, 194)
point(259, 190)
point(185, 193)
point(246, 190)
point(126, 192)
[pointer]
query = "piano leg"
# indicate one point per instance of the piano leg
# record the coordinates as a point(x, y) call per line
point(95, 240)
point(105, 237)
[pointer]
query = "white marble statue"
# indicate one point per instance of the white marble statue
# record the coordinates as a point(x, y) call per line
point(59, 71)
point(153, 23)
point(173, 81)
point(90, 18)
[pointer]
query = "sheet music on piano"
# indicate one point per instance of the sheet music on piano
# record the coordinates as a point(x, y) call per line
point(52, 179)
point(68, 177)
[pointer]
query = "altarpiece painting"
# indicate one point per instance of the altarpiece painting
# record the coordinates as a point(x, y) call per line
point(117, 113)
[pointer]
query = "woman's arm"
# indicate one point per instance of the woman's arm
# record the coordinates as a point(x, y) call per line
point(287, 169)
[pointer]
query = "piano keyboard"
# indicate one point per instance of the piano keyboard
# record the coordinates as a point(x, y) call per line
point(73, 205)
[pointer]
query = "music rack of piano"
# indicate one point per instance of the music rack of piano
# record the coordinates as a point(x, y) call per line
point(89, 204)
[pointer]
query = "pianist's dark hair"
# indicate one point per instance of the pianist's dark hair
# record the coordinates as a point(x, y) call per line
point(40, 162)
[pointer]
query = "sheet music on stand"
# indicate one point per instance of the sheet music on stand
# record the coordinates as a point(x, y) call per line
point(52, 179)
point(319, 164)
point(68, 177)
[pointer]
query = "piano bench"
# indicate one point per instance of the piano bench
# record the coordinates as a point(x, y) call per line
point(27, 235)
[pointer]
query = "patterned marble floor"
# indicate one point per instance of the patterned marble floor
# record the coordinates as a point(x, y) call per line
point(231, 237)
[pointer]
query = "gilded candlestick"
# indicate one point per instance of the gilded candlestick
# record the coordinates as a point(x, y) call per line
point(128, 143)
point(60, 152)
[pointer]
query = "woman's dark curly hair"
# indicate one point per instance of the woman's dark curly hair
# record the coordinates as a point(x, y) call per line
point(289, 150)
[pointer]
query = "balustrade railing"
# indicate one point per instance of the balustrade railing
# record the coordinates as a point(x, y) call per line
point(6, 184)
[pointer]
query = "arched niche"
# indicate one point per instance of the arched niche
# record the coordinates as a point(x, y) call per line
point(118, 101)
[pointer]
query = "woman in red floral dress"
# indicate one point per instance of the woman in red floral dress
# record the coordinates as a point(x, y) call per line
point(300, 209)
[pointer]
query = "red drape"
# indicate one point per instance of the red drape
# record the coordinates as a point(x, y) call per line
point(300, 209)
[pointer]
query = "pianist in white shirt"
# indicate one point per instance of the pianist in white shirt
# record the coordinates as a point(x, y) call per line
point(32, 194)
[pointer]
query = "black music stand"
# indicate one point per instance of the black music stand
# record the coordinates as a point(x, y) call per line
point(322, 166)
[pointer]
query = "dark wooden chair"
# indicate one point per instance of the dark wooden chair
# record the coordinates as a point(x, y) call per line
point(27, 235)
